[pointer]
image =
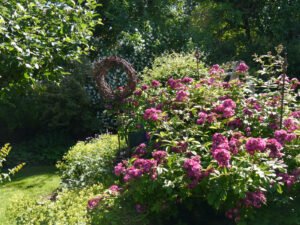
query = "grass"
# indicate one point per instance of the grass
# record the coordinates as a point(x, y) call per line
point(31, 182)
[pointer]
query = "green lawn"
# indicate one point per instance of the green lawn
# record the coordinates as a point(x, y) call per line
point(32, 182)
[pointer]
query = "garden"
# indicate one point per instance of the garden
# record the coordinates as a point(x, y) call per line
point(127, 112)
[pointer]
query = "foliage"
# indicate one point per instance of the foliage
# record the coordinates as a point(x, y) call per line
point(225, 30)
point(69, 207)
point(214, 140)
point(40, 37)
point(66, 105)
point(141, 30)
point(4, 151)
point(173, 65)
point(42, 149)
point(90, 162)
point(231, 30)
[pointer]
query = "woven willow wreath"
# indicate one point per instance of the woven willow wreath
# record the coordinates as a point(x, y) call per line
point(101, 69)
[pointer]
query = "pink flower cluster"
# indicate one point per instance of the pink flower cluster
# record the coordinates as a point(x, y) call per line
point(152, 114)
point(234, 145)
point(233, 214)
point(219, 141)
point(289, 180)
point(282, 136)
point(187, 80)
point(138, 92)
point(220, 150)
point(114, 189)
point(206, 118)
point(175, 84)
point(215, 69)
point(94, 202)
point(242, 68)
point(290, 124)
point(141, 149)
point(227, 108)
point(252, 199)
point(139, 167)
point(236, 123)
point(182, 96)
point(202, 116)
point(145, 87)
point(252, 106)
point(255, 144)
point(159, 156)
point(255, 199)
point(275, 148)
point(222, 156)
point(120, 169)
point(155, 83)
point(193, 169)
point(296, 114)
point(181, 147)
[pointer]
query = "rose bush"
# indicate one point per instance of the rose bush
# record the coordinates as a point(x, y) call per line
point(221, 142)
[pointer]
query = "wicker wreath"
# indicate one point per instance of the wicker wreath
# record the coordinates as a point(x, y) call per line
point(101, 69)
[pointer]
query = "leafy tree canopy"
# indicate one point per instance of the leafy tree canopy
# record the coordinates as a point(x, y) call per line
point(38, 37)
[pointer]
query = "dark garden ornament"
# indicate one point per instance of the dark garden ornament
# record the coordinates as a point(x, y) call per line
point(101, 69)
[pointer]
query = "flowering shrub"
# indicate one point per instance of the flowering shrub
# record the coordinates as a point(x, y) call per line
point(209, 139)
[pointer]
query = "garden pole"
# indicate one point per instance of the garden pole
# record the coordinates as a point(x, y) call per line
point(197, 56)
point(282, 88)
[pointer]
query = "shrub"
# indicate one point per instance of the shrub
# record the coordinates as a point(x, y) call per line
point(176, 65)
point(69, 207)
point(4, 151)
point(89, 162)
point(213, 140)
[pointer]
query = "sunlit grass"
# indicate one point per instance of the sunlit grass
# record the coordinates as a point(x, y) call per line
point(30, 182)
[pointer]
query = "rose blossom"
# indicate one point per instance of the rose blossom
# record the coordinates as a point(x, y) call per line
point(229, 103)
point(145, 87)
point(202, 118)
point(215, 69)
point(119, 169)
point(187, 80)
point(141, 149)
point(255, 144)
point(255, 199)
point(242, 68)
point(94, 202)
point(182, 96)
point(155, 83)
point(152, 114)
point(275, 147)
point(159, 155)
point(219, 139)
point(193, 167)
point(290, 124)
point(222, 156)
